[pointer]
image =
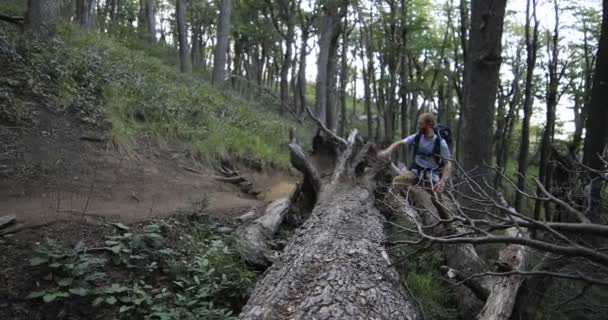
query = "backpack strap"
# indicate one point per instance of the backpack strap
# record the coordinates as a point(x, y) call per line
point(436, 153)
point(416, 145)
point(437, 149)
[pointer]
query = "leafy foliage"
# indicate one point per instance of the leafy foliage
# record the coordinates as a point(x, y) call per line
point(203, 278)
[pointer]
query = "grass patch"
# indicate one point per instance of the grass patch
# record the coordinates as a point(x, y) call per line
point(135, 89)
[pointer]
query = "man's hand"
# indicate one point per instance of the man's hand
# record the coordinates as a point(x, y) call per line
point(384, 153)
point(439, 186)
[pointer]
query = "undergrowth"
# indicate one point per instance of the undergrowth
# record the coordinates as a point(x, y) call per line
point(420, 270)
point(140, 275)
point(135, 89)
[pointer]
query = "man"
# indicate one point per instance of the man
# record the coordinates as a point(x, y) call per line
point(431, 160)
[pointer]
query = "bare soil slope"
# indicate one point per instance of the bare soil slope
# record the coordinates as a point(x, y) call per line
point(56, 168)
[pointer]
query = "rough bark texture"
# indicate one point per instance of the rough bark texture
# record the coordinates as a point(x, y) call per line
point(41, 16)
point(221, 47)
point(531, 50)
point(335, 267)
point(254, 239)
point(597, 130)
point(182, 35)
point(327, 30)
point(481, 82)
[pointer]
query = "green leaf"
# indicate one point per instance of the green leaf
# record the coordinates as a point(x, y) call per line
point(79, 291)
point(110, 300)
point(36, 261)
point(65, 282)
point(97, 301)
point(111, 243)
point(49, 297)
point(36, 294)
point(120, 226)
point(125, 309)
point(151, 228)
point(115, 249)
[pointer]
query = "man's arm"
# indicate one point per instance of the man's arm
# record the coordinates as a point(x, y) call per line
point(395, 146)
point(390, 149)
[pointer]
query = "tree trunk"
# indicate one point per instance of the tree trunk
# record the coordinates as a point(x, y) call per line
point(87, 16)
point(182, 37)
point(343, 79)
point(195, 52)
point(524, 146)
point(147, 19)
point(221, 47)
point(332, 73)
point(335, 266)
point(481, 83)
point(284, 91)
point(41, 17)
point(327, 29)
point(552, 97)
point(302, 71)
point(596, 128)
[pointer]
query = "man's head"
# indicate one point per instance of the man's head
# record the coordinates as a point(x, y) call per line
point(426, 123)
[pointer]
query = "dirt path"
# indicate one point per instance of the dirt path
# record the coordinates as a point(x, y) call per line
point(52, 169)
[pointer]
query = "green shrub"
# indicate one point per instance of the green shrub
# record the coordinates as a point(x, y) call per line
point(204, 276)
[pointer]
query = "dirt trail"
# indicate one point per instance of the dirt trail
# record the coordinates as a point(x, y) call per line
point(52, 169)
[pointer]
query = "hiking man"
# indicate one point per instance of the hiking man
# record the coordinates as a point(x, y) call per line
point(431, 153)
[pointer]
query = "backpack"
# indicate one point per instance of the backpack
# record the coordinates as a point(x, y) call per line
point(443, 132)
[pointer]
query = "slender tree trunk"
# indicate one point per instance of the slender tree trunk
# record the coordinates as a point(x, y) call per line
point(182, 37)
point(343, 79)
point(596, 128)
point(353, 115)
point(284, 91)
point(195, 52)
point(367, 95)
point(332, 66)
point(302, 71)
point(531, 50)
point(551, 103)
point(221, 47)
point(41, 17)
point(481, 83)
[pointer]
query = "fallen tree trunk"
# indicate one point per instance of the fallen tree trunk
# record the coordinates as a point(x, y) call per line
point(335, 266)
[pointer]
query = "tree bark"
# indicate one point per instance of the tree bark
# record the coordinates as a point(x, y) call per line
point(41, 17)
point(481, 83)
point(332, 79)
point(302, 71)
point(524, 146)
point(596, 128)
point(195, 52)
point(221, 47)
point(147, 19)
point(182, 37)
point(86, 12)
point(343, 79)
point(552, 99)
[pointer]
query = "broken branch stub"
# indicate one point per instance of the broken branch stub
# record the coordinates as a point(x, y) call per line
point(254, 239)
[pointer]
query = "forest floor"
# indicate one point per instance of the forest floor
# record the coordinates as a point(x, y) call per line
point(67, 182)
